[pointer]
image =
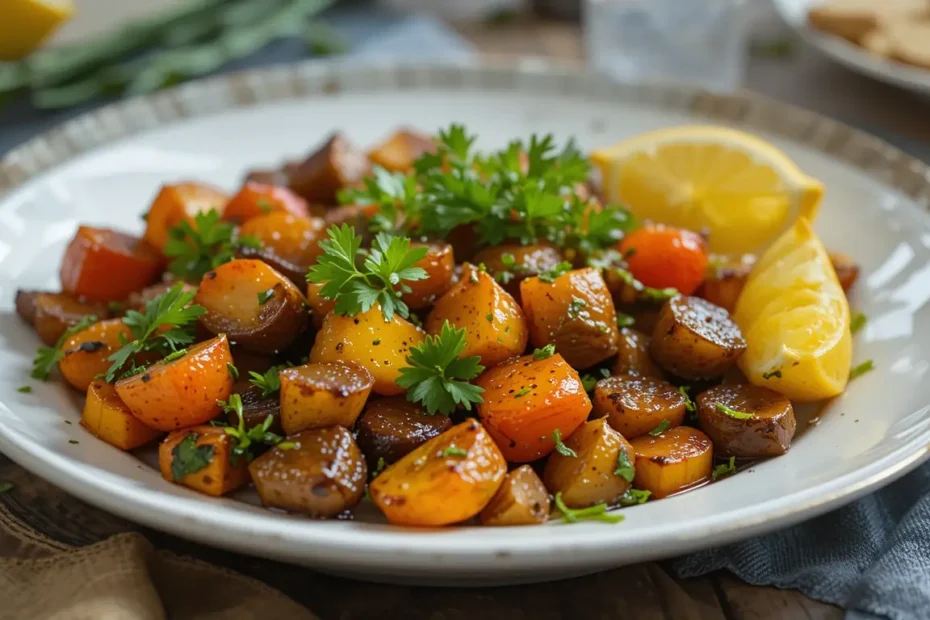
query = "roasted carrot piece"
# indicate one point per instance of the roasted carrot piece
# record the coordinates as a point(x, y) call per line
point(289, 237)
point(439, 265)
point(255, 199)
point(86, 351)
point(182, 201)
point(201, 458)
point(666, 257)
point(51, 314)
point(105, 265)
point(108, 418)
point(181, 392)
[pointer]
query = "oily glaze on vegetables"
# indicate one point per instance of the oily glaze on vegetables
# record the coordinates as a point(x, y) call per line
point(452, 336)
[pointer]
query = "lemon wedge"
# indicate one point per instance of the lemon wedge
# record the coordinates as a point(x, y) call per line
point(25, 24)
point(743, 190)
point(795, 318)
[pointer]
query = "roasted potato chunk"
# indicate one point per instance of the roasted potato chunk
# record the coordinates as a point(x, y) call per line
point(287, 239)
point(108, 418)
point(495, 326)
point(51, 314)
point(322, 475)
point(633, 355)
point(591, 477)
point(334, 165)
point(847, 271)
point(575, 313)
point(174, 203)
point(201, 458)
point(138, 299)
point(86, 352)
point(256, 199)
point(510, 264)
point(522, 499)
point(105, 265)
point(392, 427)
point(768, 432)
point(398, 152)
point(725, 283)
point(695, 339)
point(679, 459)
point(320, 307)
point(526, 399)
point(181, 392)
point(439, 265)
point(635, 406)
point(323, 394)
point(448, 479)
point(254, 305)
point(366, 339)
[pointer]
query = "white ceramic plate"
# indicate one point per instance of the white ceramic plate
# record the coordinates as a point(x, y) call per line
point(794, 12)
point(105, 168)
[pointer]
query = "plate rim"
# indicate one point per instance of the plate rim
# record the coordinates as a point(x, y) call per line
point(312, 78)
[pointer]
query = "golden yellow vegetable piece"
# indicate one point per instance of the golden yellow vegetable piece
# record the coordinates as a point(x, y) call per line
point(677, 460)
point(108, 418)
point(323, 394)
point(633, 355)
point(86, 352)
point(204, 462)
point(521, 500)
point(635, 406)
point(25, 24)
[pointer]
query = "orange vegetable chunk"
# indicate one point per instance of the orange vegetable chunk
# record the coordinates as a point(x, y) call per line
point(105, 265)
point(220, 474)
point(108, 418)
point(178, 202)
point(255, 199)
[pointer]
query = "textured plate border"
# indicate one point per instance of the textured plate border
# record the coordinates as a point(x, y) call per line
point(377, 554)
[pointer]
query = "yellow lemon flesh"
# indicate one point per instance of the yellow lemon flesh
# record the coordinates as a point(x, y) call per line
point(25, 24)
point(741, 189)
point(795, 318)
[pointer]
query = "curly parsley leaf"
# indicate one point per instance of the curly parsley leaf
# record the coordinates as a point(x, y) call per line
point(725, 469)
point(598, 512)
point(189, 458)
point(544, 353)
point(48, 357)
point(560, 446)
point(633, 497)
point(559, 270)
point(268, 382)
point(437, 378)
point(205, 245)
point(244, 440)
point(625, 467)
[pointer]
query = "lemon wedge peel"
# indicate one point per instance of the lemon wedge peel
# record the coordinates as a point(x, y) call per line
point(26, 24)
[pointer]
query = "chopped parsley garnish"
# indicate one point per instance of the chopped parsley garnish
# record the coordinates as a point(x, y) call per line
point(857, 322)
point(560, 446)
point(725, 469)
point(625, 320)
point(633, 497)
point(559, 270)
point(379, 467)
point(598, 512)
point(189, 458)
point(205, 245)
point(268, 382)
point(232, 370)
point(661, 428)
point(772, 374)
point(173, 309)
point(588, 382)
point(860, 369)
point(437, 377)
point(544, 353)
point(24, 389)
point(174, 355)
point(605, 373)
point(6, 487)
point(489, 317)
point(625, 467)
point(454, 451)
point(733, 413)
point(689, 404)
point(74, 441)
point(522, 392)
point(244, 438)
point(575, 306)
point(48, 357)
point(264, 296)
point(611, 260)
point(380, 280)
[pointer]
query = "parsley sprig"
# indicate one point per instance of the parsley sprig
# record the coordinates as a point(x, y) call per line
point(437, 377)
point(625, 468)
point(205, 245)
point(268, 382)
point(188, 457)
point(560, 446)
point(724, 469)
point(598, 512)
point(380, 280)
point(48, 357)
point(246, 439)
point(173, 310)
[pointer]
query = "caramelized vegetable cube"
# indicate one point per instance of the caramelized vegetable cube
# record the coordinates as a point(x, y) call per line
point(448, 479)
point(86, 352)
point(255, 199)
point(767, 431)
point(400, 150)
point(287, 240)
point(677, 460)
point(392, 427)
point(337, 164)
point(108, 418)
point(105, 265)
point(724, 285)
point(522, 499)
point(526, 399)
point(321, 474)
point(323, 394)
point(201, 458)
point(439, 265)
point(635, 406)
point(599, 473)
point(575, 313)
point(53, 313)
point(510, 264)
point(177, 203)
point(633, 355)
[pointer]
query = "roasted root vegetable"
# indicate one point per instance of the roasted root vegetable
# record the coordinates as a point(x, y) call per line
point(635, 406)
point(847, 271)
point(679, 459)
point(448, 479)
point(51, 314)
point(601, 470)
point(392, 427)
point(368, 340)
point(724, 284)
point(177, 203)
point(495, 326)
point(287, 238)
point(510, 264)
point(695, 339)
point(633, 355)
point(254, 305)
point(439, 265)
point(108, 418)
point(256, 408)
point(181, 392)
point(666, 257)
point(201, 458)
point(323, 394)
point(746, 420)
point(255, 199)
point(86, 352)
point(336, 164)
point(398, 152)
point(575, 313)
point(105, 265)
point(526, 399)
point(320, 306)
point(522, 499)
point(138, 299)
point(320, 473)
